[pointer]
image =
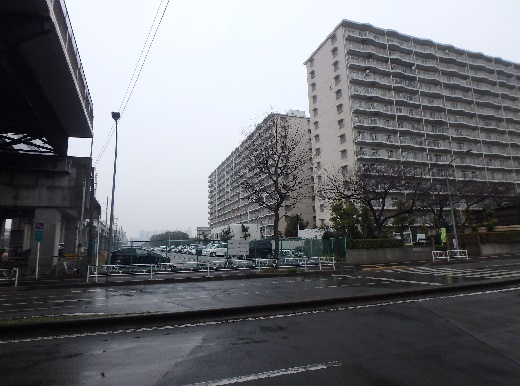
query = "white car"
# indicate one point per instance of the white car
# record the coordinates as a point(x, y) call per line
point(215, 250)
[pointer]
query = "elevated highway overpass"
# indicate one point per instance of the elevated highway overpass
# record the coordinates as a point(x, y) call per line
point(44, 101)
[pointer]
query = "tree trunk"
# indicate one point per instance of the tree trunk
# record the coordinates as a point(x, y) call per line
point(276, 235)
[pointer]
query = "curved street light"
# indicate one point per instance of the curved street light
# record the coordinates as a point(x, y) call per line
point(454, 228)
point(115, 117)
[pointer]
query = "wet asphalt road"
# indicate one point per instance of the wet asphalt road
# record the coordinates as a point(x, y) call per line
point(469, 338)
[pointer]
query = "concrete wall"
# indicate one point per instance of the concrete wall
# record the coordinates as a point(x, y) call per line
point(499, 249)
point(388, 255)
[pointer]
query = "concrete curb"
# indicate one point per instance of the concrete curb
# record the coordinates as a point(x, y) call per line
point(116, 322)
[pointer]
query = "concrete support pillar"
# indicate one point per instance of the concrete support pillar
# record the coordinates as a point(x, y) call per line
point(2, 233)
point(51, 238)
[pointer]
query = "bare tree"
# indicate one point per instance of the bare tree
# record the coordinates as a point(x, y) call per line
point(277, 174)
point(372, 186)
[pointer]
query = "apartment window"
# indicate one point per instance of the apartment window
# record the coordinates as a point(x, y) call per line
point(335, 65)
point(322, 208)
point(344, 170)
point(492, 176)
point(318, 166)
point(311, 62)
point(341, 124)
point(337, 80)
point(317, 152)
point(386, 123)
point(315, 111)
point(399, 110)
point(314, 99)
point(334, 52)
point(316, 125)
point(342, 138)
point(404, 155)
point(390, 154)
point(458, 132)
point(313, 74)
point(317, 138)
point(339, 94)
point(374, 152)
point(320, 179)
point(465, 175)
point(313, 86)
point(343, 154)
point(333, 39)
point(460, 146)
point(339, 108)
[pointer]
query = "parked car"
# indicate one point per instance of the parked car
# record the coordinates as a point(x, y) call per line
point(129, 256)
point(216, 250)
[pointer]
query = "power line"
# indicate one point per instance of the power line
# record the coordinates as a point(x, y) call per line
point(134, 79)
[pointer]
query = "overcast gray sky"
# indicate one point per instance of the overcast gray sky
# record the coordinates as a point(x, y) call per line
point(215, 68)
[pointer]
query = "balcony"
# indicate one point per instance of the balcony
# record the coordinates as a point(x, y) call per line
point(492, 124)
point(370, 79)
point(452, 68)
point(487, 100)
point(374, 122)
point(365, 50)
point(371, 92)
point(404, 84)
point(411, 141)
point(372, 107)
point(411, 126)
point(430, 89)
point(398, 56)
point(399, 44)
point(480, 63)
point(409, 98)
point(432, 102)
point(462, 121)
point(464, 108)
point(364, 36)
point(450, 56)
point(427, 64)
point(363, 64)
point(511, 116)
point(489, 112)
point(457, 94)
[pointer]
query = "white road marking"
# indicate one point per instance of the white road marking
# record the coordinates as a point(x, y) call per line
point(268, 374)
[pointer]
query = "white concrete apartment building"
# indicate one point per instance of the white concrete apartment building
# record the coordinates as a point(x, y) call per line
point(378, 96)
point(228, 204)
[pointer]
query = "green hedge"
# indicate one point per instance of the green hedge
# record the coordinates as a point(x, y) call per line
point(499, 237)
point(374, 243)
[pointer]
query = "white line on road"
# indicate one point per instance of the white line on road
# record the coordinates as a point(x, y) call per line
point(268, 374)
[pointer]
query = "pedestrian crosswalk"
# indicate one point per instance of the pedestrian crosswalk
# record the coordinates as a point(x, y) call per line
point(462, 272)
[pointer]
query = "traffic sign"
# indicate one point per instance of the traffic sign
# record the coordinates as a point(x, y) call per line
point(39, 227)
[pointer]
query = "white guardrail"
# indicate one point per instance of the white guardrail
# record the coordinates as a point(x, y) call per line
point(450, 253)
point(9, 274)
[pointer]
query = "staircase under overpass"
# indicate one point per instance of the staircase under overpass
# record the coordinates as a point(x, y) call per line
point(44, 101)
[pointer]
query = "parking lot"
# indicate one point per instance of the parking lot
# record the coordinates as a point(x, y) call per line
point(183, 265)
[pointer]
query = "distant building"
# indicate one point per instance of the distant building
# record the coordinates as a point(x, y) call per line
point(379, 96)
point(203, 233)
point(227, 203)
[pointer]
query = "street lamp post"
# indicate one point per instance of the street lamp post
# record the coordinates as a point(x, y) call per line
point(454, 228)
point(115, 117)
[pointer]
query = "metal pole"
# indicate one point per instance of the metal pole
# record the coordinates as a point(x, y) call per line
point(454, 228)
point(115, 117)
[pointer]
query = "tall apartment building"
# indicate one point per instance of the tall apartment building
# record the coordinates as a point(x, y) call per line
point(378, 96)
point(228, 204)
